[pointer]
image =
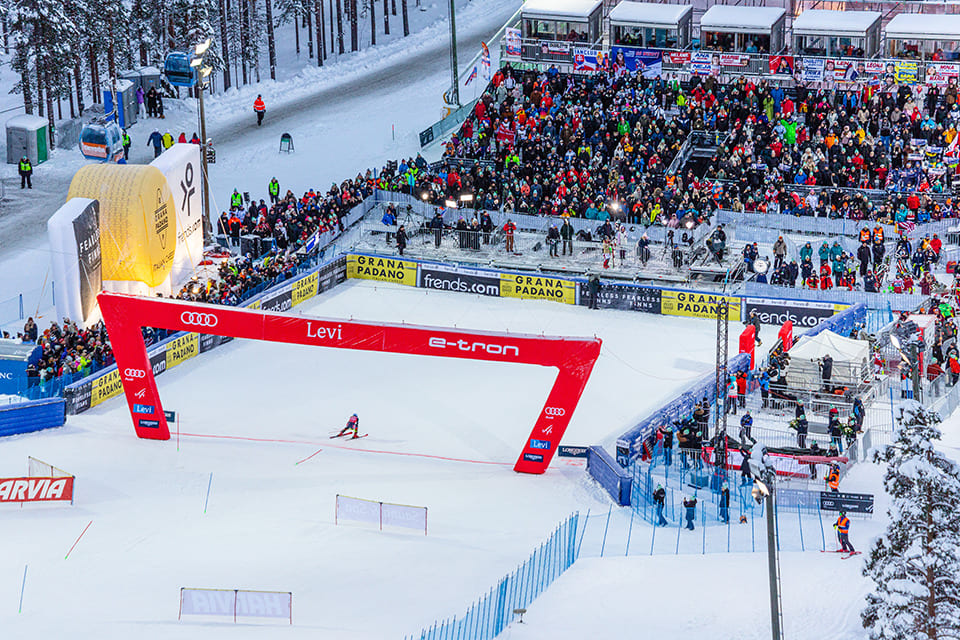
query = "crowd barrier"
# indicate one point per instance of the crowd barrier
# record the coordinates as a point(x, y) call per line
point(33, 415)
point(491, 614)
point(611, 476)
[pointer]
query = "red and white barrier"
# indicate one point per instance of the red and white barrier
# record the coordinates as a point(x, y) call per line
point(236, 603)
point(381, 513)
point(43, 483)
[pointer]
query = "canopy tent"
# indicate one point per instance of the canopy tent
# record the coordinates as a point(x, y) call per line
point(850, 361)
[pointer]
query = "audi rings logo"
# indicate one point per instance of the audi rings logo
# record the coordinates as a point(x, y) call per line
point(134, 373)
point(554, 411)
point(198, 319)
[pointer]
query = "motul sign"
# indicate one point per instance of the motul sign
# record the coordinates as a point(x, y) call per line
point(573, 358)
point(36, 489)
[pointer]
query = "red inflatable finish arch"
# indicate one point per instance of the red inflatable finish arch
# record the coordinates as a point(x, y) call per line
point(124, 316)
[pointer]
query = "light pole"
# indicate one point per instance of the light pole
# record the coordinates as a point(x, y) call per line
point(203, 72)
point(764, 478)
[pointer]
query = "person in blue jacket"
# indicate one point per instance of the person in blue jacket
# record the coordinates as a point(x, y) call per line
point(389, 220)
point(157, 141)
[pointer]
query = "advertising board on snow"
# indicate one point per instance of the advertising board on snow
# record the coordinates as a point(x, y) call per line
point(515, 285)
point(696, 305)
point(461, 280)
point(382, 269)
point(802, 313)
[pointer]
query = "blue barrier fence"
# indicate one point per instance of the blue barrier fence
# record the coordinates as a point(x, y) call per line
point(26, 417)
point(491, 614)
point(611, 476)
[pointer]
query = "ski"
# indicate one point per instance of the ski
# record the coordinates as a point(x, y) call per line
point(342, 435)
point(832, 551)
point(850, 555)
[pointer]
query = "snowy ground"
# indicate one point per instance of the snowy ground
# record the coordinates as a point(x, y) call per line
point(255, 409)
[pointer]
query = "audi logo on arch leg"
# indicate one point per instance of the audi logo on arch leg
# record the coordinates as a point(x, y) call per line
point(554, 412)
point(198, 319)
point(134, 373)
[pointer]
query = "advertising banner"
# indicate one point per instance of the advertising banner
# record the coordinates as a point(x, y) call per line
point(407, 517)
point(781, 65)
point(36, 489)
point(180, 164)
point(848, 502)
point(158, 361)
point(78, 398)
point(182, 348)
point(332, 274)
point(512, 37)
point(105, 387)
point(86, 232)
point(677, 57)
point(800, 313)
point(734, 60)
point(514, 285)
point(588, 59)
point(304, 289)
point(625, 297)
point(906, 71)
point(382, 269)
point(236, 603)
point(696, 305)
point(647, 62)
point(280, 301)
point(704, 63)
point(813, 69)
point(75, 257)
point(940, 74)
point(462, 280)
point(138, 222)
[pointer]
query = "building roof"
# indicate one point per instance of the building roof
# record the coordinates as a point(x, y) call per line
point(731, 19)
point(649, 14)
point(923, 26)
point(828, 22)
point(554, 9)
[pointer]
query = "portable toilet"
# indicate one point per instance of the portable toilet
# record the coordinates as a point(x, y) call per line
point(133, 75)
point(149, 78)
point(29, 136)
point(126, 105)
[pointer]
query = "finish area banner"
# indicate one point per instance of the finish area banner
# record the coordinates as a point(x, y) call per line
point(124, 316)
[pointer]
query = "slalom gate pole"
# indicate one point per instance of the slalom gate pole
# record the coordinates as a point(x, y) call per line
point(71, 548)
point(207, 501)
point(23, 586)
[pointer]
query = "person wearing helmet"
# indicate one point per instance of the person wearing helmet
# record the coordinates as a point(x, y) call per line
point(690, 508)
point(26, 171)
point(353, 424)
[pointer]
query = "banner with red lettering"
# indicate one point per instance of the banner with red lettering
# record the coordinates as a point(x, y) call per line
point(124, 316)
point(36, 489)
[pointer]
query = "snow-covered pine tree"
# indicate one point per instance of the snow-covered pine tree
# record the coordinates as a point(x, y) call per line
point(915, 565)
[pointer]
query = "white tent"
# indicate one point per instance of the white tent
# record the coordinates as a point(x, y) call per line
point(850, 359)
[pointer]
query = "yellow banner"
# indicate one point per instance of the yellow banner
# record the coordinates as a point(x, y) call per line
point(382, 269)
point(513, 285)
point(254, 305)
point(106, 387)
point(304, 289)
point(182, 348)
point(697, 305)
point(138, 222)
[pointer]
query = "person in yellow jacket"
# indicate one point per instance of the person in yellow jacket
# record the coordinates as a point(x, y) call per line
point(167, 140)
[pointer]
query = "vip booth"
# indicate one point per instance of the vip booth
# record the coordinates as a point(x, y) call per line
point(828, 33)
point(731, 29)
point(645, 24)
point(921, 36)
point(573, 21)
